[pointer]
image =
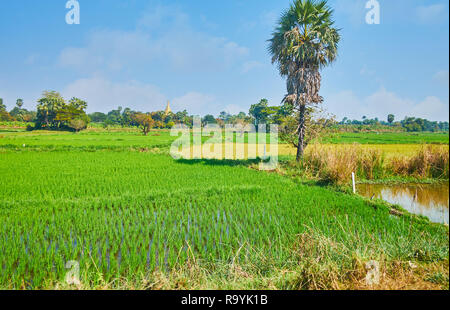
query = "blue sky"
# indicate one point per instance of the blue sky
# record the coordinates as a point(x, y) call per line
point(210, 56)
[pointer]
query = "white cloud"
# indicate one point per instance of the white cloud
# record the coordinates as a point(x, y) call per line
point(163, 41)
point(430, 13)
point(173, 44)
point(104, 95)
point(382, 103)
point(431, 108)
point(109, 51)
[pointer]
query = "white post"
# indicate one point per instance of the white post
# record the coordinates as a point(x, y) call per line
point(353, 182)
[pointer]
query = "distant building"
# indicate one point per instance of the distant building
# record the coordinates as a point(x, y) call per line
point(168, 109)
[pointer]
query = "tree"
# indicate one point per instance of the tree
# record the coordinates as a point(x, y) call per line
point(17, 111)
point(2, 106)
point(4, 115)
point(97, 117)
point(169, 120)
point(115, 116)
point(181, 116)
point(78, 104)
point(126, 119)
point(391, 118)
point(19, 103)
point(54, 113)
point(68, 113)
point(145, 122)
point(77, 124)
point(108, 123)
point(48, 106)
point(29, 116)
point(209, 119)
point(224, 116)
point(261, 112)
point(318, 122)
point(303, 43)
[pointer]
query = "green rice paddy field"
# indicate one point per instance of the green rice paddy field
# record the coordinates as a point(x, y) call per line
point(129, 214)
point(387, 138)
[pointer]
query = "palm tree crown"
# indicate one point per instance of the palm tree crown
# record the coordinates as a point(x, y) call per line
point(303, 42)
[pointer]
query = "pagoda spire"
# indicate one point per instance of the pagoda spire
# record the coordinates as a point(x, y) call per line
point(168, 109)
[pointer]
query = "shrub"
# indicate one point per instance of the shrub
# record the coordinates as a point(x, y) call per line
point(77, 124)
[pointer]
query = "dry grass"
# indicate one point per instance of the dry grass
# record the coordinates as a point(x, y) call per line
point(336, 164)
point(429, 162)
point(390, 150)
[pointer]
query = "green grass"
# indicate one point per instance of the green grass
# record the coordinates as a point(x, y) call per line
point(124, 214)
point(387, 138)
point(127, 215)
point(50, 140)
point(15, 124)
point(92, 140)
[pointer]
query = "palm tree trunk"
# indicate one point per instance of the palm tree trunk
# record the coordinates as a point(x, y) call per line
point(301, 133)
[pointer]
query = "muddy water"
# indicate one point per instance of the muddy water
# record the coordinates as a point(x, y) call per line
point(424, 199)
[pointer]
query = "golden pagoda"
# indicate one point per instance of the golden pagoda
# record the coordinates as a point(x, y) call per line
point(168, 109)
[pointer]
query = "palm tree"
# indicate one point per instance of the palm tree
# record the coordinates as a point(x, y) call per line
point(304, 42)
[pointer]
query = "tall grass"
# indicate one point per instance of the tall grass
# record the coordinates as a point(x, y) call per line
point(336, 164)
point(429, 162)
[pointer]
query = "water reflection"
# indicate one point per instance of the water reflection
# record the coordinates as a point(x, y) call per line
point(424, 199)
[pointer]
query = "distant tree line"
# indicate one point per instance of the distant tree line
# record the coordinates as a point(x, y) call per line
point(54, 113)
point(409, 124)
point(127, 117)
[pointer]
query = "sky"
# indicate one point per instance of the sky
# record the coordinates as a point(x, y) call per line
point(211, 56)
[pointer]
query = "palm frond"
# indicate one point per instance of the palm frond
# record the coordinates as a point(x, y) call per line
point(303, 42)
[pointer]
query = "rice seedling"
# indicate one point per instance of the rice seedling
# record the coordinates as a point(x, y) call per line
point(131, 215)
